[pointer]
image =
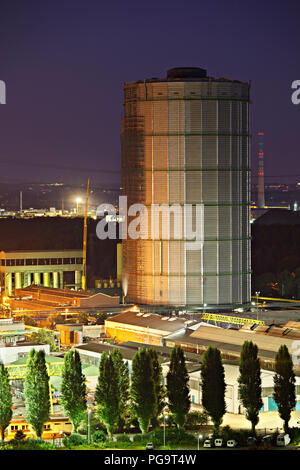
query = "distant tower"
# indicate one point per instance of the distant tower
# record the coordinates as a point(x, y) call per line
point(261, 174)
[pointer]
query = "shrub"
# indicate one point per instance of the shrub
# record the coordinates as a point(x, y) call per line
point(19, 435)
point(238, 435)
point(141, 437)
point(99, 436)
point(295, 435)
point(73, 440)
point(123, 438)
point(31, 444)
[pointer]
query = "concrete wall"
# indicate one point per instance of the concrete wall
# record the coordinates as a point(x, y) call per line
point(9, 354)
point(7, 325)
point(92, 331)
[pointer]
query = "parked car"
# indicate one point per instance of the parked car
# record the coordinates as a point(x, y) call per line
point(283, 440)
point(267, 439)
point(207, 443)
point(232, 443)
point(251, 441)
point(218, 442)
point(149, 446)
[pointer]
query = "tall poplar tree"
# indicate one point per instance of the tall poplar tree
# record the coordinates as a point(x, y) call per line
point(73, 389)
point(107, 394)
point(284, 385)
point(250, 382)
point(160, 392)
point(213, 386)
point(36, 391)
point(123, 384)
point(5, 400)
point(142, 391)
point(178, 390)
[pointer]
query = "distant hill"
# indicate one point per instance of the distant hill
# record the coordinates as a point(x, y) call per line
point(279, 217)
point(57, 233)
point(275, 242)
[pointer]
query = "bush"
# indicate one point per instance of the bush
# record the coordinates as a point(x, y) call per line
point(238, 435)
point(99, 436)
point(30, 444)
point(123, 438)
point(95, 424)
point(19, 436)
point(172, 435)
point(295, 435)
point(141, 437)
point(73, 440)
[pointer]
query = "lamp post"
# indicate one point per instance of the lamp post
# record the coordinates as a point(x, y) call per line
point(164, 430)
point(257, 295)
point(199, 437)
point(89, 425)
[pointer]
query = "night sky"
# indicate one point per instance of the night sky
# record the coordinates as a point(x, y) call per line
point(65, 62)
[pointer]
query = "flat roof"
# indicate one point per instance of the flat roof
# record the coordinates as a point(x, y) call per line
point(55, 292)
point(162, 350)
point(152, 321)
point(100, 348)
point(238, 337)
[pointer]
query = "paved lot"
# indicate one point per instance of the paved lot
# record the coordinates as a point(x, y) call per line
point(267, 419)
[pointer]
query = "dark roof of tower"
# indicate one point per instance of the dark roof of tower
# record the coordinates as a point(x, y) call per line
point(186, 73)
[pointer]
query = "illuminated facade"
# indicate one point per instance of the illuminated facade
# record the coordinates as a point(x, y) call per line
point(185, 140)
point(20, 269)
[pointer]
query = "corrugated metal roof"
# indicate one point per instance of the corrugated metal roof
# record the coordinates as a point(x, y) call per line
point(237, 337)
point(152, 321)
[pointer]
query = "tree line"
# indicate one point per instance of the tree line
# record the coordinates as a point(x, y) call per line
point(250, 390)
point(143, 393)
point(286, 284)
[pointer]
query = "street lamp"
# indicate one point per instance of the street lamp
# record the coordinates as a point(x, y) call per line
point(164, 430)
point(199, 437)
point(89, 425)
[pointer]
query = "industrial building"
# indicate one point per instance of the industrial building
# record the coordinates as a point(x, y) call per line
point(90, 355)
point(19, 269)
point(185, 141)
point(196, 337)
point(10, 353)
point(66, 297)
point(141, 327)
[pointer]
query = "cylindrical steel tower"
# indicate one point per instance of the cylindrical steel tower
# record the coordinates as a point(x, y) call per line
point(185, 140)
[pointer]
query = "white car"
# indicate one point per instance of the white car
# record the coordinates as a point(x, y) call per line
point(207, 443)
point(232, 443)
point(283, 440)
point(218, 442)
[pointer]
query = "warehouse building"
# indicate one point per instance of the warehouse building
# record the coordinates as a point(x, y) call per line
point(90, 355)
point(196, 337)
point(49, 268)
point(141, 327)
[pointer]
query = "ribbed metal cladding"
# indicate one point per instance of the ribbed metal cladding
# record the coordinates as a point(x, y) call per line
point(186, 141)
